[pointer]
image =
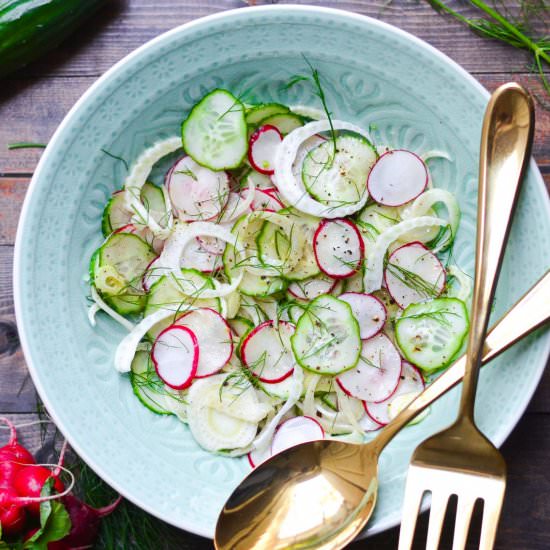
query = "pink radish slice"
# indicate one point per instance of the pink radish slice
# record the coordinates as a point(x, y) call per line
point(267, 353)
point(410, 381)
point(233, 209)
point(264, 200)
point(368, 423)
point(338, 248)
point(214, 339)
point(376, 375)
point(175, 355)
point(196, 192)
point(397, 177)
point(369, 311)
point(256, 457)
point(262, 147)
point(311, 288)
point(196, 257)
point(211, 245)
point(296, 430)
point(428, 274)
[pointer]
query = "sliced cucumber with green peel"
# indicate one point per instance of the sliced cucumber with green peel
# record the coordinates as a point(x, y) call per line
point(146, 384)
point(327, 338)
point(257, 113)
point(261, 285)
point(430, 334)
point(337, 176)
point(375, 219)
point(273, 243)
point(285, 122)
point(215, 132)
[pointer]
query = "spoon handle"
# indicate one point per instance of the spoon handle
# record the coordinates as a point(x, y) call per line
point(529, 313)
point(506, 139)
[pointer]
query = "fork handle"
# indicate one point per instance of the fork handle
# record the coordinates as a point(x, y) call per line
point(527, 314)
point(506, 139)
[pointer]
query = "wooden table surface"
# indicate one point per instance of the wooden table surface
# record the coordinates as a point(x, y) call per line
point(34, 101)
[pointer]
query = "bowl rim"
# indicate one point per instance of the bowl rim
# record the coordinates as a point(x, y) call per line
point(68, 119)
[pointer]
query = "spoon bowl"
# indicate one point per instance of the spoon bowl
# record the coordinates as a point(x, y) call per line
point(319, 493)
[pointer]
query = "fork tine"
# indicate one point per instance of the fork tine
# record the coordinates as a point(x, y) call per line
point(464, 509)
point(411, 504)
point(492, 508)
point(437, 515)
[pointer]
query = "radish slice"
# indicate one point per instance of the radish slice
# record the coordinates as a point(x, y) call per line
point(214, 339)
point(398, 177)
point(175, 355)
point(262, 147)
point(311, 288)
point(257, 456)
point(266, 200)
point(296, 430)
point(195, 256)
point(410, 382)
point(414, 274)
point(267, 353)
point(152, 274)
point(369, 311)
point(368, 423)
point(338, 248)
point(196, 192)
point(376, 375)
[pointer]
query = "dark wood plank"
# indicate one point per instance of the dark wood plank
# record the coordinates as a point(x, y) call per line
point(12, 193)
point(121, 26)
point(38, 106)
point(17, 393)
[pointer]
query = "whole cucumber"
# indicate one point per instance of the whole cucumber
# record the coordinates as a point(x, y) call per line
point(30, 28)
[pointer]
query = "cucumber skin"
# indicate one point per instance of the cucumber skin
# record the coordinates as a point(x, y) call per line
point(30, 28)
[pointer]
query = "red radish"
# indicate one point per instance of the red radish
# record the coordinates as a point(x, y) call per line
point(266, 200)
point(196, 192)
point(414, 274)
point(411, 381)
point(13, 457)
point(29, 481)
point(267, 353)
point(338, 248)
point(262, 147)
point(214, 339)
point(152, 274)
point(369, 311)
point(397, 177)
point(376, 375)
point(175, 355)
point(85, 523)
point(12, 513)
point(294, 431)
point(311, 288)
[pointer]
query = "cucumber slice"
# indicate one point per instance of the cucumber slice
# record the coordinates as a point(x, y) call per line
point(327, 339)
point(375, 219)
point(342, 179)
point(261, 285)
point(215, 134)
point(258, 113)
point(146, 384)
point(285, 122)
point(273, 243)
point(430, 334)
point(241, 326)
point(153, 198)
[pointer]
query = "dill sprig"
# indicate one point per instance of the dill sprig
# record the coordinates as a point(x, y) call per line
point(509, 30)
point(26, 145)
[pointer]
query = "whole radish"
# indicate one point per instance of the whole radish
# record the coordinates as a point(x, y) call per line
point(28, 482)
point(85, 522)
point(12, 514)
point(13, 457)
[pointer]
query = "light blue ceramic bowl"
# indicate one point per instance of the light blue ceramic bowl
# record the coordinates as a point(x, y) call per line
point(374, 74)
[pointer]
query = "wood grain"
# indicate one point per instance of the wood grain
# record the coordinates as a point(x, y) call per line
point(123, 25)
point(38, 107)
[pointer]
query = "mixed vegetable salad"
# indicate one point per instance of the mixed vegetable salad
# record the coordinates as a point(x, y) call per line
point(291, 280)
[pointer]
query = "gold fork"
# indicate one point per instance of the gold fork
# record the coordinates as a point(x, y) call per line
point(460, 460)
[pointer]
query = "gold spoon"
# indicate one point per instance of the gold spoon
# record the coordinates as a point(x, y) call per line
point(321, 494)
